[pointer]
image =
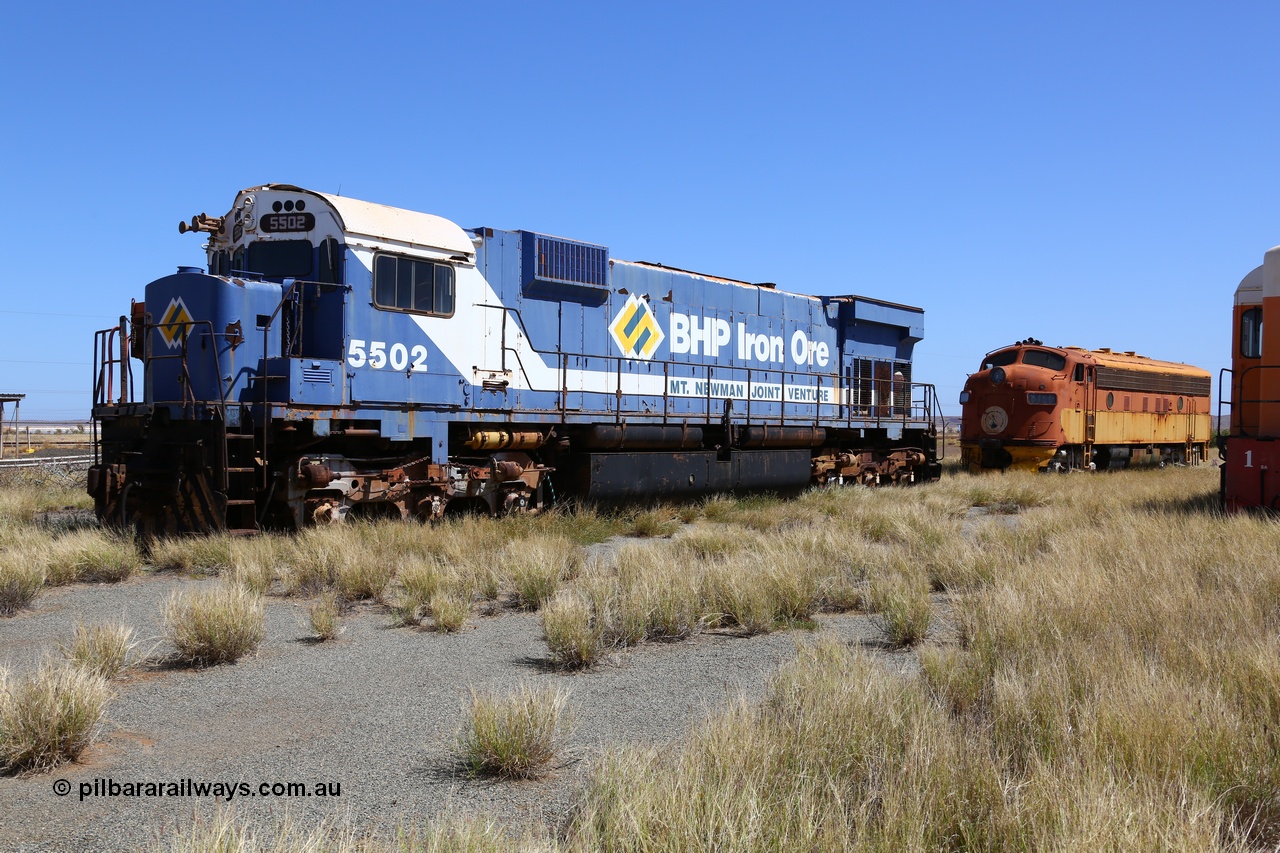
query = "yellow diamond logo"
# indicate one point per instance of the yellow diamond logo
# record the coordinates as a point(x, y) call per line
point(175, 323)
point(635, 330)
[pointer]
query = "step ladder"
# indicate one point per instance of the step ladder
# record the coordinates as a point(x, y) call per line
point(241, 484)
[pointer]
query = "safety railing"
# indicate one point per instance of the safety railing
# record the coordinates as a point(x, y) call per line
point(861, 399)
point(111, 361)
point(870, 393)
point(1239, 404)
point(209, 341)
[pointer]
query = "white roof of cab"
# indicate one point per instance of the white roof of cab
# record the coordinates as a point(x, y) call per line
point(402, 226)
point(387, 224)
point(1249, 291)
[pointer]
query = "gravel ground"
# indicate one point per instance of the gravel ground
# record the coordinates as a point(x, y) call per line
point(375, 711)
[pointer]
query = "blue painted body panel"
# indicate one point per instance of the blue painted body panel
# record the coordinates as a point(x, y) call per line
point(531, 350)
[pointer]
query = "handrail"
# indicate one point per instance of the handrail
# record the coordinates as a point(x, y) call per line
point(1230, 405)
point(870, 410)
point(106, 354)
point(865, 399)
point(188, 397)
point(1238, 385)
point(264, 380)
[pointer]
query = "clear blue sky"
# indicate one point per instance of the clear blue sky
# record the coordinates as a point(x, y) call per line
point(1094, 174)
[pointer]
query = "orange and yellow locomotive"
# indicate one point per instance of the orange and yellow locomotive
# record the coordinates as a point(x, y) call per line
point(1035, 408)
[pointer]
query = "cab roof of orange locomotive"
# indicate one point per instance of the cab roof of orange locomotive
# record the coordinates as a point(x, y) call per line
point(1105, 357)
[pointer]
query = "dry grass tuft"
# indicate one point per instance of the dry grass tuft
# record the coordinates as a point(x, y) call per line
point(20, 581)
point(312, 562)
point(738, 599)
point(651, 595)
point(656, 522)
point(841, 755)
point(101, 649)
point(902, 608)
point(325, 616)
point(538, 565)
point(449, 611)
point(50, 716)
point(516, 736)
point(88, 556)
point(196, 555)
point(405, 611)
point(421, 578)
point(572, 630)
point(254, 561)
point(215, 625)
point(224, 833)
point(364, 578)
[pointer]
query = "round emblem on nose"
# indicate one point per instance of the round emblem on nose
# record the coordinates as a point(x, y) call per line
point(994, 420)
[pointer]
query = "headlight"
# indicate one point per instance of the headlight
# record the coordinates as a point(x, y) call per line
point(964, 397)
point(997, 376)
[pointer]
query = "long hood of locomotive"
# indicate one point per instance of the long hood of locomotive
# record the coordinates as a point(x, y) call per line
point(653, 336)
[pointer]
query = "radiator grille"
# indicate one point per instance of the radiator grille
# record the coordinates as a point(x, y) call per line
point(565, 262)
point(313, 374)
point(1120, 379)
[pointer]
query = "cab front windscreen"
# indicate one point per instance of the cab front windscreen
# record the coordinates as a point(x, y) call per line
point(1004, 358)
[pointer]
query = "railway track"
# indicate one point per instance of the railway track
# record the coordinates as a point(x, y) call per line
point(69, 460)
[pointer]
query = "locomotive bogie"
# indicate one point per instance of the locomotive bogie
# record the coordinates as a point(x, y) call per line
point(342, 359)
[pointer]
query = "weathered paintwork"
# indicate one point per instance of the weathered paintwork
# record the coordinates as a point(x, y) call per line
point(1033, 407)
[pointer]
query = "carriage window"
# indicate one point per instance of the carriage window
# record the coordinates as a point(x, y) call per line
point(1040, 358)
point(408, 284)
point(1004, 358)
point(280, 258)
point(1251, 333)
point(1078, 375)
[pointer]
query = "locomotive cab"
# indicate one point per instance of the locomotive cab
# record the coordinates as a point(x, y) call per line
point(1012, 408)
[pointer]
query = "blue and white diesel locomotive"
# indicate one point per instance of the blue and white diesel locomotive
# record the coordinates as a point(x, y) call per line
point(346, 359)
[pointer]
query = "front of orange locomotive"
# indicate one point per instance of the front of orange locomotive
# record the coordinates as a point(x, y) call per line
point(1010, 410)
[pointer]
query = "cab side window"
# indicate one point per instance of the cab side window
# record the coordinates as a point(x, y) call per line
point(1251, 333)
point(410, 284)
point(330, 257)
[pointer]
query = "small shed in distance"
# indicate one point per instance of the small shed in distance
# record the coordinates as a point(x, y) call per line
point(16, 399)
